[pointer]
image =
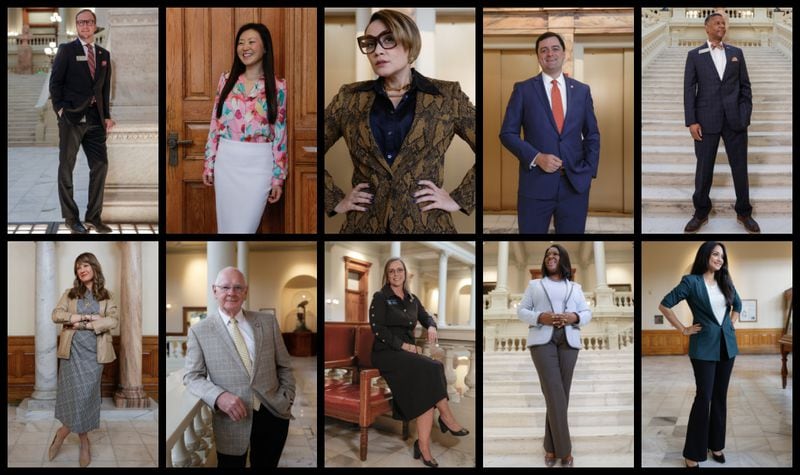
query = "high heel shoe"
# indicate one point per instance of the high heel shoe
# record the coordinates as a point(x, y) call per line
point(696, 464)
point(718, 458)
point(55, 447)
point(549, 460)
point(418, 454)
point(444, 428)
point(85, 460)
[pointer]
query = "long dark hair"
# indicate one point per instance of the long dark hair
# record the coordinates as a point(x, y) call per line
point(267, 62)
point(722, 276)
point(564, 266)
point(78, 290)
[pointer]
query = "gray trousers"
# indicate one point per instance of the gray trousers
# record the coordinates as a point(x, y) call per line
point(555, 362)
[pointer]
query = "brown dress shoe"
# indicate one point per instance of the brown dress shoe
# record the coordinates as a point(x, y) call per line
point(567, 462)
point(749, 224)
point(694, 224)
point(549, 459)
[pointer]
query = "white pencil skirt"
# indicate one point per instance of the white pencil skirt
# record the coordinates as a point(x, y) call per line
point(242, 180)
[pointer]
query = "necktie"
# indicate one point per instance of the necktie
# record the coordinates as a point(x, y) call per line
point(241, 348)
point(90, 58)
point(558, 108)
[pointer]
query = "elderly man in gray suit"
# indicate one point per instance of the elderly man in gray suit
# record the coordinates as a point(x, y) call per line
point(236, 363)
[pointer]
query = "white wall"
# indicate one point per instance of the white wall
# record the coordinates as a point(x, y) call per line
point(22, 280)
point(760, 270)
point(269, 272)
point(334, 277)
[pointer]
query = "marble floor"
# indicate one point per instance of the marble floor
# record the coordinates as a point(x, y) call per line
point(759, 426)
point(113, 444)
point(388, 449)
point(507, 224)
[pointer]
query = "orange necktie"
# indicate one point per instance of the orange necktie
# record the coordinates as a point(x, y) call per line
point(558, 108)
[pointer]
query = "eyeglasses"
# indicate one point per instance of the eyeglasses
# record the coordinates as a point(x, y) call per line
point(85, 22)
point(396, 271)
point(368, 43)
point(237, 289)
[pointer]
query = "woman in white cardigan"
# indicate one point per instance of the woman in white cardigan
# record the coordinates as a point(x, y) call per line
point(554, 309)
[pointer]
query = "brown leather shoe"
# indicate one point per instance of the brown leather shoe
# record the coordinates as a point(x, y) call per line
point(749, 224)
point(567, 462)
point(694, 224)
point(549, 459)
point(86, 457)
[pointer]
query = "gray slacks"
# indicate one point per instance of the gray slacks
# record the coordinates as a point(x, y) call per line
point(555, 362)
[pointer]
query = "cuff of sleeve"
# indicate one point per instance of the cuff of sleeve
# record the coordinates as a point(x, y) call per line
point(277, 182)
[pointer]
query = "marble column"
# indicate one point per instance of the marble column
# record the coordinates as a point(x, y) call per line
point(242, 253)
point(395, 251)
point(442, 289)
point(472, 298)
point(604, 295)
point(131, 191)
point(46, 382)
point(130, 392)
point(218, 256)
point(498, 298)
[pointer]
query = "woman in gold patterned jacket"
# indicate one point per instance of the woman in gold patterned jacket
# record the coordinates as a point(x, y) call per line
point(397, 129)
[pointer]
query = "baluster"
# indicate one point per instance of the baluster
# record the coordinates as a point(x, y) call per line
point(180, 456)
point(450, 376)
point(192, 445)
point(199, 430)
point(469, 380)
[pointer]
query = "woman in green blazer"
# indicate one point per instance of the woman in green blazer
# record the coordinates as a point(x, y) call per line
point(715, 306)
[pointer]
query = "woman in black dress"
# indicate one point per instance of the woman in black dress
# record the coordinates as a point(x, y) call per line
point(417, 382)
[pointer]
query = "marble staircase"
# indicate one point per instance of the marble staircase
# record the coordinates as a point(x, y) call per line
point(23, 94)
point(668, 160)
point(600, 414)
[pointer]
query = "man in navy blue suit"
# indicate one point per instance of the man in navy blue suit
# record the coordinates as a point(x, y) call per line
point(560, 151)
point(80, 85)
point(718, 102)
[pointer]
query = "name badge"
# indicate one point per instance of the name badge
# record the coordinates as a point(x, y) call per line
point(704, 50)
point(81, 58)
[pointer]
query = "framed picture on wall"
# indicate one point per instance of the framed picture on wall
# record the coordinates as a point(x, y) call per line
point(192, 315)
point(749, 310)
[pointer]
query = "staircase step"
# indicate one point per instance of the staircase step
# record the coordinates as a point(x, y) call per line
point(656, 125)
point(685, 154)
point(674, 199)
point(578, 384)
point(754, 139)
point(587, 439)
point(658, 105)
point(578, 416)
point(576, 399)
point(679, 174)
point(671, 223)
point(581, 371)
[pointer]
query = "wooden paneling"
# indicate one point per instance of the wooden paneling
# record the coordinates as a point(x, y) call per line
point(22, 368)
point(749, 340)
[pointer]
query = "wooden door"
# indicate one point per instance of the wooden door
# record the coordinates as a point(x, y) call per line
point(199, 48)
point(356, 278)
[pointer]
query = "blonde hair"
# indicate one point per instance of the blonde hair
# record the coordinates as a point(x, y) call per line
point(404, 29)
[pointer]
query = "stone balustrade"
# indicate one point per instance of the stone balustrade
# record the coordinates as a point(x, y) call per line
point(190, 438)
point(176, 346)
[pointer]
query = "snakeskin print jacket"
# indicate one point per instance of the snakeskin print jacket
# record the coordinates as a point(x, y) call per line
point(438, 117)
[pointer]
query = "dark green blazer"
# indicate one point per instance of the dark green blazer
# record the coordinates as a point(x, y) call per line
point(705, 345)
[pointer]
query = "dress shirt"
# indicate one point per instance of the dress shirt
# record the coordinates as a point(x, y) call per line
point(718, 56)
point(86, 50)
point(245, 329)
point(548, 89)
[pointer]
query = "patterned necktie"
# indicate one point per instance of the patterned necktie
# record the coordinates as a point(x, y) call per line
point(90, 58)
point(241, 348)
point(558, 108)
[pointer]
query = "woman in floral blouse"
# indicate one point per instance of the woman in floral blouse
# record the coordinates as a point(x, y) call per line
point(245, 156)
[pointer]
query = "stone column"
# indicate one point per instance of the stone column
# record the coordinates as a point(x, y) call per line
point(131, 192)
point(499, 296)
point(130, 392)
point(242, 252)
point(46, 331)
point(604, 295)
point(218, 256)
point(472, 298)
point(442, 288)
point(395, 251)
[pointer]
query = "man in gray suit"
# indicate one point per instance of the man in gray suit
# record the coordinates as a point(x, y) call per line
point(236, 363)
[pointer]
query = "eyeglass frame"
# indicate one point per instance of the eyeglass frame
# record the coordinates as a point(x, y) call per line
point(378, 41)
point(237, 289)
point(85, 22)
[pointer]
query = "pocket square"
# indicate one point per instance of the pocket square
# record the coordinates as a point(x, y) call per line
point(734, 60)
point(104, 63)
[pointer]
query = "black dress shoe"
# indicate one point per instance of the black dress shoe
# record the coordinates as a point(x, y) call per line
point(718, 458)
point(99, 226)
point(418, 454)
point(444, 428)
point(75, 227)
point(749, 224)
point(694, 224)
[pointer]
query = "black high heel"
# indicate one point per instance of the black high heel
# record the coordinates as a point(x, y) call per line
point(696, 464)
point(718, 458)
point(444, 428)
point(418, 454)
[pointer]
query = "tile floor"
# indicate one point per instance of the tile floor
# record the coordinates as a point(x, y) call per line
point(507, 224)
point(759, 412)
point(388, 449)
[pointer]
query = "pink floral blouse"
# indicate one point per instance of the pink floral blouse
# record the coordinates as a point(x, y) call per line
point(244, 118)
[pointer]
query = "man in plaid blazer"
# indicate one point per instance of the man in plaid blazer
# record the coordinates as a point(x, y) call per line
point(236, 363)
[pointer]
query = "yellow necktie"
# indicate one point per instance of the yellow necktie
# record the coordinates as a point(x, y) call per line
point(241, 348)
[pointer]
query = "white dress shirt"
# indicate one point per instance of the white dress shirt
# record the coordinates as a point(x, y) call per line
point(717, 301)
point(718, 56)
point(244, 328)
point(548, 89)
